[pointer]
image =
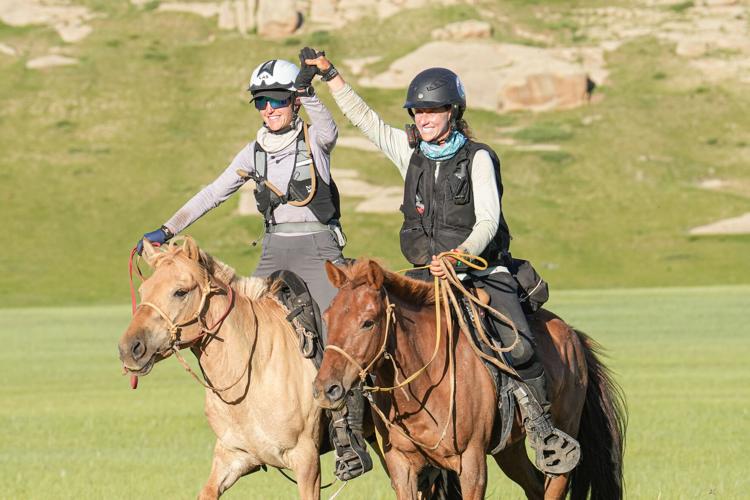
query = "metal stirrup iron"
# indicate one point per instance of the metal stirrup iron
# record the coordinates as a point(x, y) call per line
point(556, 452)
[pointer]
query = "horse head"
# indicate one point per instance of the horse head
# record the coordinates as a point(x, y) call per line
point(357, 330)
point(173, 301)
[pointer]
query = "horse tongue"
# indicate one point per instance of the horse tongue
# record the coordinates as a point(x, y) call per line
point(134, 381)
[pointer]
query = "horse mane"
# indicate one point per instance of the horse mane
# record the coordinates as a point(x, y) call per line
point(249, 287)
point(413, 291)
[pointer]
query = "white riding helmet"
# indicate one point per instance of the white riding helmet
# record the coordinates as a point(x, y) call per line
point(274, 78)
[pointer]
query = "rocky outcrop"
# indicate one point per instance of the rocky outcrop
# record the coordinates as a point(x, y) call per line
point(277, 18)
point(504, 77)
point(68, 20)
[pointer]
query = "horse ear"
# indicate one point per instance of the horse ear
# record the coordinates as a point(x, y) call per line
point(336, 276)
point(148, 250)
point(375, 275)
point(191, 248)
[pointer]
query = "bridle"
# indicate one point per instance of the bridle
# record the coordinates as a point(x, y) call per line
point(363, 372)
point(174, 328)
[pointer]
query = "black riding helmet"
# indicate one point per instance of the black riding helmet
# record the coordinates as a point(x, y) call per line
point(435, 88)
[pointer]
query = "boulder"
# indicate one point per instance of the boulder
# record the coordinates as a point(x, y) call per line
point(277, 18)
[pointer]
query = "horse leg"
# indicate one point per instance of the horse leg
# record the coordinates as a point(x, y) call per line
point(473, 474)
point(403, 474)
point(515, 463)
point(305, 460)
point(227, 467)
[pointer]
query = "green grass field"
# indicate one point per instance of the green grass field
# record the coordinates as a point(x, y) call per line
point(70, 427)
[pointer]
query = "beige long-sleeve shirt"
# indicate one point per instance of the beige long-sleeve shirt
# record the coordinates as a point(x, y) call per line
point(395, 145)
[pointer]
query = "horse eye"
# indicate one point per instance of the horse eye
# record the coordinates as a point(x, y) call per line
point(180, 293)
point(367, 325)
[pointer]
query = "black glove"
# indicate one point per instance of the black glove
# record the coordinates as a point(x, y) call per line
point(307, 73)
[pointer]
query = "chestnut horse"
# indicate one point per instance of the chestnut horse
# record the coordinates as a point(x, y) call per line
point(259, 397)
point(383, 323)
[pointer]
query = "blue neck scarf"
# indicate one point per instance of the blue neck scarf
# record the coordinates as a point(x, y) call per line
point(445, 151)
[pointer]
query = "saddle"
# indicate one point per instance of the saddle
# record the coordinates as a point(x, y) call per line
point(304, 313)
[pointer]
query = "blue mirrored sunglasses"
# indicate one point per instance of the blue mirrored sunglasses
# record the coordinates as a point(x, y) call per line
point(260, 102)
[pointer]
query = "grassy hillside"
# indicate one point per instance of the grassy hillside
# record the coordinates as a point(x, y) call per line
point(70, 427)
point(93, 155)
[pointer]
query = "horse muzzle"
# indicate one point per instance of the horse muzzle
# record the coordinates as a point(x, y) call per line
point(329, 395)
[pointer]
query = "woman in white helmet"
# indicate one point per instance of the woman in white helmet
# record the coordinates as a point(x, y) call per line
point(289, 161)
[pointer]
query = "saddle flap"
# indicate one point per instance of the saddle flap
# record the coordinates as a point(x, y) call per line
point(292, 292)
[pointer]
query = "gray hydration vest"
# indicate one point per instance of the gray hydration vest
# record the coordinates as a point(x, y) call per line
point(324, 204)
point(439, 213)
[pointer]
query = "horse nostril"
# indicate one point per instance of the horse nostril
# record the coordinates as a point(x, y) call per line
point(334, 392)
point(138, 349)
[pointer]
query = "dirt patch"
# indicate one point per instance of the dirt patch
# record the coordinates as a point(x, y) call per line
point(734, 225)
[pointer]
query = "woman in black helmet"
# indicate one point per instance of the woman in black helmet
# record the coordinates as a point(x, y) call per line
point(452, 200)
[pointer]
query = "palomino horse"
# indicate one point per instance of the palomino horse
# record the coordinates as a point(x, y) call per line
point(259, 390)
point(383, 323)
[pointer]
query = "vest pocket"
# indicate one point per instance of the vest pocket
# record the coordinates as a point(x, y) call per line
point(458, 185)
point(414, 242)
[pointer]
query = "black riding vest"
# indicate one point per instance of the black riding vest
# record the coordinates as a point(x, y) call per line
point(446, 206)
point(325, 204)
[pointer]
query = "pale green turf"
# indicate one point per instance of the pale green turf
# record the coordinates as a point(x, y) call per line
point(94, 155)
point(71, 428)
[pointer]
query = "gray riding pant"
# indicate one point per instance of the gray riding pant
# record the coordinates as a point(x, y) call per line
point(304, 255)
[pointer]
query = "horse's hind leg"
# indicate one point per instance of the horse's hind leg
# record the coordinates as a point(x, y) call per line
point(227, 467)
point(515, 463)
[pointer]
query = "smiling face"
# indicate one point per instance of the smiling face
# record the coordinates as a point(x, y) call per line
point(277, 119)
point(433, 123)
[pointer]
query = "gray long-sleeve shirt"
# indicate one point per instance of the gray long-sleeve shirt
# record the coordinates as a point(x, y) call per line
point(322, 133)
point(395, 145)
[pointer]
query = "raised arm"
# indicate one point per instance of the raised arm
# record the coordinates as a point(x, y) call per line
point(391, 141)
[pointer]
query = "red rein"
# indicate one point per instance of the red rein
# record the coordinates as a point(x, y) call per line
point(133, 378)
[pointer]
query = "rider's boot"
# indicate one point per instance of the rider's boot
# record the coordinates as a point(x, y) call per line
point(556, 451)
point(346, 430)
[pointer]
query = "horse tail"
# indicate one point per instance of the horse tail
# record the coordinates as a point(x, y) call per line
point(601, 432)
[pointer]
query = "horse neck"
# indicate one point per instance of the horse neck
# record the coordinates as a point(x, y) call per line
point(237, 342)
point(412, 347)
point(249, 334)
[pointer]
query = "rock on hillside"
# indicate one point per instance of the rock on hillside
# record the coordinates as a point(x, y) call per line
point(68, 20)
point(504, 77)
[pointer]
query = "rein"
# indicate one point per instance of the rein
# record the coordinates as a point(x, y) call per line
point(174, 328)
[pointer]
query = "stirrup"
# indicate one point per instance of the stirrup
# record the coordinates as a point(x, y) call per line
point(556, 452)
point(352, 459)
point(352, 463)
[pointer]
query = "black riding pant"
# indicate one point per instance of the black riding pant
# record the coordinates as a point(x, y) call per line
point(503, 291)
